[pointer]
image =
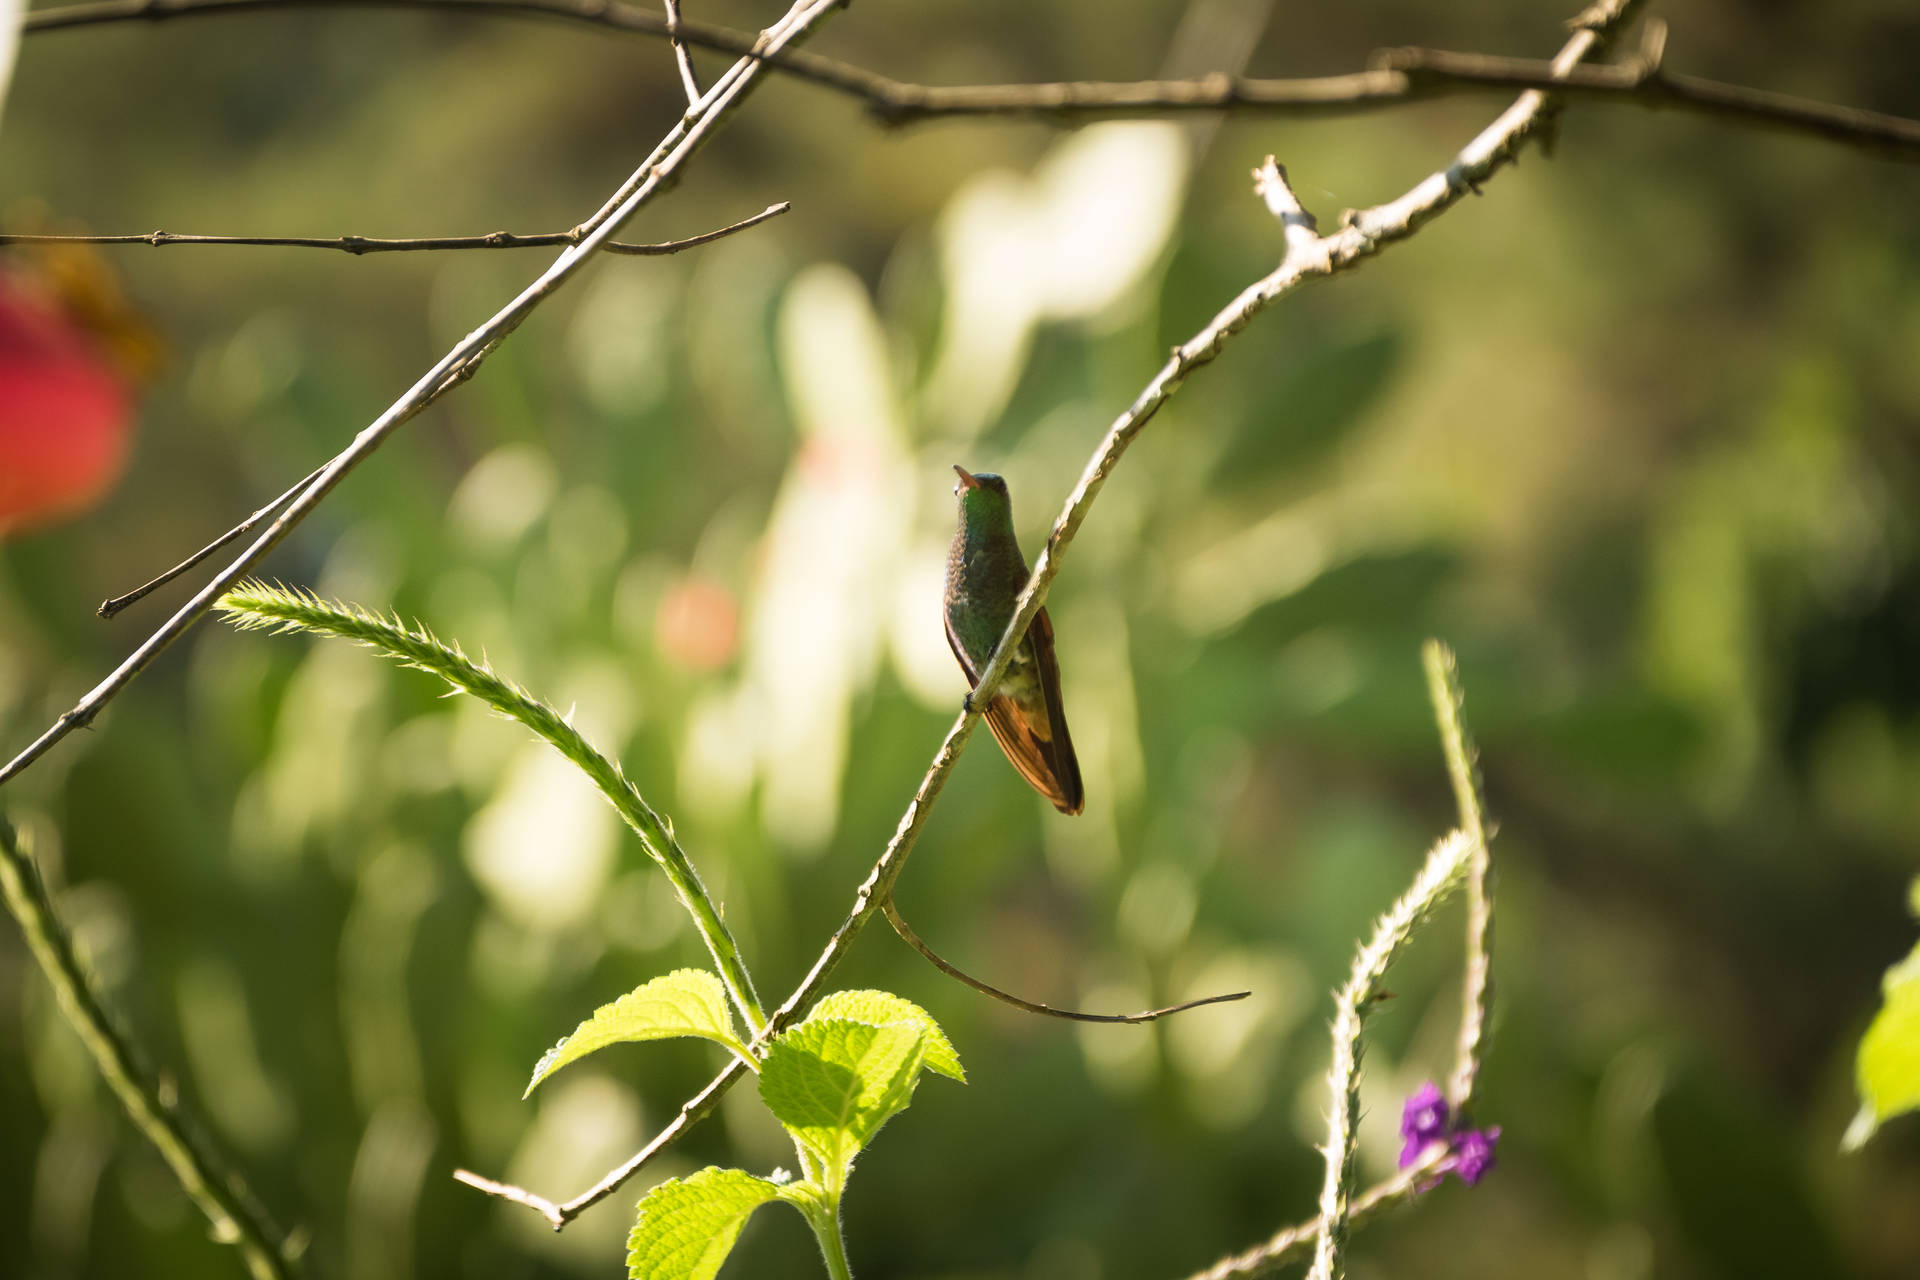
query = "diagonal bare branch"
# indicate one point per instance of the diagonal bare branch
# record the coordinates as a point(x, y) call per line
point(1307, 256)
point(658, 172)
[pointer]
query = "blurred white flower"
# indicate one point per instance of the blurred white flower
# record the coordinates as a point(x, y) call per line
point(818, 607)
point(1067, 243)
point(544, 847)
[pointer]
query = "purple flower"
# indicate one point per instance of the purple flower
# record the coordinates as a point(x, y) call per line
point(1426, 1120)
point(1423, 1122)
point(1472, 1154)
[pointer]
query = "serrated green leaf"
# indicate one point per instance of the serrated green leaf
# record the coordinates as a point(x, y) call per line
point(687, 1226)
point(883, 1006)
point(833, 1082)
point(1887, 1068)
point(686, 1002)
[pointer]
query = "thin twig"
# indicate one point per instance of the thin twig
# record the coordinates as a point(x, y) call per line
point(682, 57)
point(368, 244)
point(1363, 234)
point(1443, 683)
point(692, 1112)
point(912, 939)
point(1398, 76)
point(108, 608)
point(518, 1195)
point(658, 172)
point(236, 1217)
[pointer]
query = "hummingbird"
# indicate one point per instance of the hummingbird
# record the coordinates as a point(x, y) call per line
point(985, 573)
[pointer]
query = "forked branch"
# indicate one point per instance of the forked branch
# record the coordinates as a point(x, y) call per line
point(1307, 256)
point(656, 173)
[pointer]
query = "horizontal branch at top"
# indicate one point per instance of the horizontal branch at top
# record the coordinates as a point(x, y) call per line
point(1397, 76)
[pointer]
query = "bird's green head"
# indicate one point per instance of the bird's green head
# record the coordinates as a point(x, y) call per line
point(983, 495)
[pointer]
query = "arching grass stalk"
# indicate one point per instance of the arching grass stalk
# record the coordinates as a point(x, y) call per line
point(1463, 769)
point(260, 606)
point(1442, 872)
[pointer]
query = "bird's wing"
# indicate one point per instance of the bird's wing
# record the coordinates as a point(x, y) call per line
point(1066, 765)
point(1034, 737)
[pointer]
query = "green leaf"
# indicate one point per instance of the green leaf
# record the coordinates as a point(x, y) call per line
point(880, 1007)
point(687, 1226)
point(1887, 1068)
point(833, 1082)
point(686, 1002)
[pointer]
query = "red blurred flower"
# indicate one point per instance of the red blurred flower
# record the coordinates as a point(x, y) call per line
point(72, 353)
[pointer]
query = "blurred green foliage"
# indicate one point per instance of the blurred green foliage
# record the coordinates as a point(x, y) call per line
point(1637, 433)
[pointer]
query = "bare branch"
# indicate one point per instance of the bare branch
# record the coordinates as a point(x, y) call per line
point(694, 1110)
point(519, 1195)
point(912, 939)
point(681, 56)
point(236, 1217)
point(605, 14)
point(1398, 76)
point(1364, 234)
point(658, 172)
point(357, 245)
point(108, 608)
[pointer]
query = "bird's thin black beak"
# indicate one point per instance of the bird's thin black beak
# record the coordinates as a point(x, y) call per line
point(966, 477)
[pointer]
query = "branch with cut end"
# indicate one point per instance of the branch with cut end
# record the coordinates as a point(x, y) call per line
point(358, 245)
point(236, 1217)
point(1397, 76)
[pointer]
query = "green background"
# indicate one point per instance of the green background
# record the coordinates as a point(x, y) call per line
point(1638, 433)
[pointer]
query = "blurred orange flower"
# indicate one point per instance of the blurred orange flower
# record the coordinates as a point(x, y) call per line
point(698, 624)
